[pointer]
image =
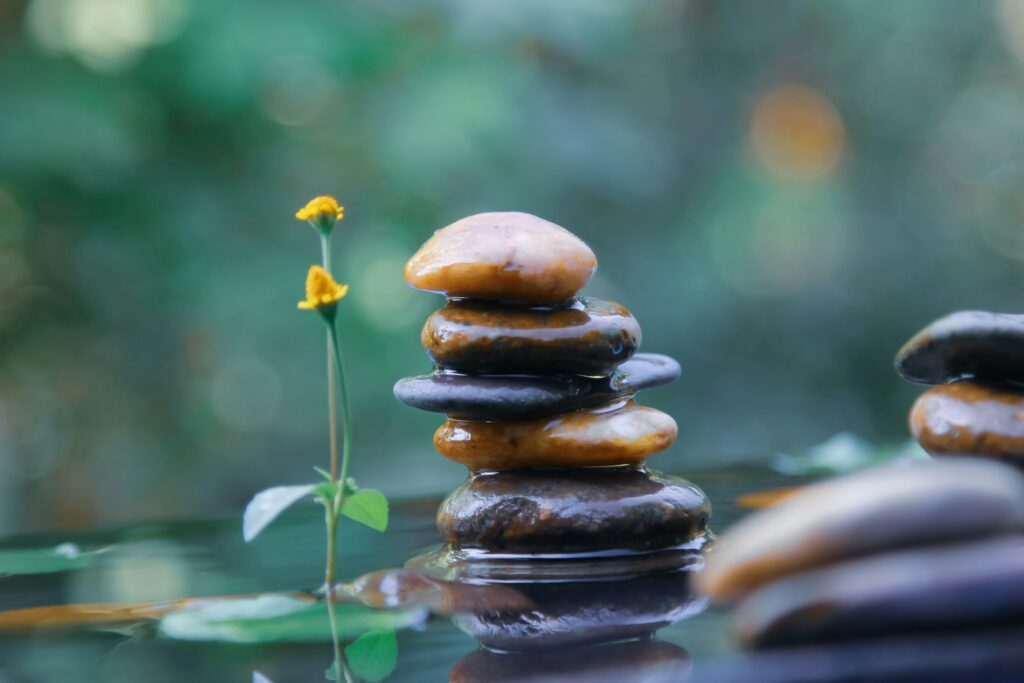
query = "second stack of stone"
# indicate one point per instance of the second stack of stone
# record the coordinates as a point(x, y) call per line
point(975, 360)
point(537, 385)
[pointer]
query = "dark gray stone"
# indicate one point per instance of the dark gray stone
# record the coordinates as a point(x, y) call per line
point(598, 510)
point(966, 344)
point(515, 397)
point(945, 587)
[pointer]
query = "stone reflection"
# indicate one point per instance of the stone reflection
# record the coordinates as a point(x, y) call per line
point(645, 660)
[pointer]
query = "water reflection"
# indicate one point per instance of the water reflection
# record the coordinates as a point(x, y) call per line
point(643, 660)
point(550, 620)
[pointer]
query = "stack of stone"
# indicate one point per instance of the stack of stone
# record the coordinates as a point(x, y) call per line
point(538, 385)
point(898, 549)
point(975, 359)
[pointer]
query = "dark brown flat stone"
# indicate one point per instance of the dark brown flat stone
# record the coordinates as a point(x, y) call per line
point(586, 336)
point(965, 344)
point(561, 512)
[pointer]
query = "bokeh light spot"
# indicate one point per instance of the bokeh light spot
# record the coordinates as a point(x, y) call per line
point(797, 133)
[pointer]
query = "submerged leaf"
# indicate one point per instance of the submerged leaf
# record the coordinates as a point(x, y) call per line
point(64, 557)
point(373, 655)
point(279, 618)
point(267, 505)
point(369, 507)
point(845, 453)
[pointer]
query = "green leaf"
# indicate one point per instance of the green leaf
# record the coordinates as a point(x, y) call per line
point(327, 491)
point(266, 505)
point(280, 618)
point(322, 472)
point(373, 655)
point(331, 673)
point(62, 558)
point(845, 453)
point(368, 507)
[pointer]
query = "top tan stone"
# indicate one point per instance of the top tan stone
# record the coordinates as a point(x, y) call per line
point(507, 256)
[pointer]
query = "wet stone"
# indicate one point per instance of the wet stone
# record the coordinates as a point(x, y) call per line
point(499, 397)
point(571, 613)
point(966, 418)
point(559, 512)
point(617, 433)
point(948, 587)
point(871, 511)
point(585, 336)
point(503, 256)
point(966, 344)
point(644, 660)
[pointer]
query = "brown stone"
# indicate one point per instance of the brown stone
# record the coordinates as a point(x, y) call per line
point(506, 256)
point(614, 434)
point(583, 337)
point(966, 418)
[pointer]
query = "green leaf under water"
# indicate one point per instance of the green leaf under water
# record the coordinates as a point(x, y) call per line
point(266, 505)
point(369, 507)
point(373, 655)
point(62, 558)
point(845, 453)
point(280, 618)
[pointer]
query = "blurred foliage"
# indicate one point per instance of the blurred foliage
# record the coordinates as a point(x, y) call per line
point(781, 192)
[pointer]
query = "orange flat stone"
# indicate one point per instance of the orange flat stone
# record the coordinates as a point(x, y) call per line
point(621, 433)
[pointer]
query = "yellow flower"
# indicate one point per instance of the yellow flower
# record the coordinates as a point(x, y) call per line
point(321, 212)
point(321, 290)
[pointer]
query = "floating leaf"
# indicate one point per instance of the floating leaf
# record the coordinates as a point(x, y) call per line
point(267, 505)
point(845, 453)
point(62, 558)
point(368, 507)
point(373, 655)
point(279, 618)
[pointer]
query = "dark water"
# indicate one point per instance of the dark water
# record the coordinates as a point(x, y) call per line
point(158, 562)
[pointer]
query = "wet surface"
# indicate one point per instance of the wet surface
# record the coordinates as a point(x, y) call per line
point(166, 562)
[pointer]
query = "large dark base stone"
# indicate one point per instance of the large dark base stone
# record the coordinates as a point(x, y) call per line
point(584, 336)
point(598, 511)
point(511, 397)
point(967, 344)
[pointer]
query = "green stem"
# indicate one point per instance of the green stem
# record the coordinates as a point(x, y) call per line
point(346, 415)
point(332, 411)
point(332, 542)
point(332, 527)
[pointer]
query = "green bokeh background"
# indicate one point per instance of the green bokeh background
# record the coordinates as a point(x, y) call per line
point(152, 153)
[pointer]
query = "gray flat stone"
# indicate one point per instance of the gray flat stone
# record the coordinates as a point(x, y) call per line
point(946, 587)
point(514, 397)
point(966, 344)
